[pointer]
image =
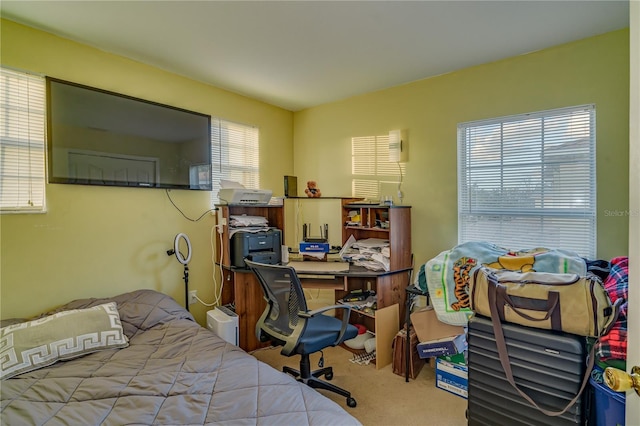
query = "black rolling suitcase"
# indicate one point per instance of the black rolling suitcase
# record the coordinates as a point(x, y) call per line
point(548, 366)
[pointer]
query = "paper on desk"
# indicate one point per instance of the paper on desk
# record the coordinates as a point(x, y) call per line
point(254, 230)
point(371, 243)
point(245, 220)
point(371, 253)
point(383, 260)
point(347, 246)
point(369, 264)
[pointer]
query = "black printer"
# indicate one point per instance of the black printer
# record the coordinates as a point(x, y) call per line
point(264, 246)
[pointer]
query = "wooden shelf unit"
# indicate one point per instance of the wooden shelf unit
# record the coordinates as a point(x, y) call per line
point(372, 219)
point(392, 223)
point(242, 289)
point(274, 215)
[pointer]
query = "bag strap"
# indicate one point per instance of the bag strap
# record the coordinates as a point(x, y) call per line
point(504, 355)
point(615, 306)
point(552, 303)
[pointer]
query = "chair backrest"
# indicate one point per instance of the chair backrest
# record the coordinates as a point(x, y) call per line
point(285, 298)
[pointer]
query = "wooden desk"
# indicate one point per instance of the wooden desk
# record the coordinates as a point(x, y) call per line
point(242, 288)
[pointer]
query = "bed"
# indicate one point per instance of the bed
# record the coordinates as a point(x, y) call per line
point(166, 369)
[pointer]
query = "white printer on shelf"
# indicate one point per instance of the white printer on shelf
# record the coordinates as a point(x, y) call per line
point(235, 193)
point(244, 196)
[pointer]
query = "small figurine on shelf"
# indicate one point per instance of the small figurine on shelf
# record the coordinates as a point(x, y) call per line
point(312, 191)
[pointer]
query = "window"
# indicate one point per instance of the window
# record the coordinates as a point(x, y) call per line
point(22, 142)
point(235, 155)
point(371, 169)
point(529, 180)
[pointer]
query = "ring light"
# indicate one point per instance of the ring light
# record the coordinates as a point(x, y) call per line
point(176, 248)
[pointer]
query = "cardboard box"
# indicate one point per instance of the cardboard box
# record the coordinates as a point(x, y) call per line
point(452, 377)
point(454, 359)
point(445, 346)
point(429, 327)
point(436, 338)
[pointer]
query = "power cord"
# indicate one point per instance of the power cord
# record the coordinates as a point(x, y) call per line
point(218, 297)
point(218, 300)
point(400, 194)
point(184, 215)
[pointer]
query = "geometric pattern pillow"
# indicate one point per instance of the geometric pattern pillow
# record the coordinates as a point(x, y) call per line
point(69, 334)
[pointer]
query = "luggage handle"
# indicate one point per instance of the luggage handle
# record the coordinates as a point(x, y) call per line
point(504, 355)
point(553, 303)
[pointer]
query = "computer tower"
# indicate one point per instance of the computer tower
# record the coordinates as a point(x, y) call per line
point(548, 366)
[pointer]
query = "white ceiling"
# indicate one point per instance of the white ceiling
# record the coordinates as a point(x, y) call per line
point(299, 54)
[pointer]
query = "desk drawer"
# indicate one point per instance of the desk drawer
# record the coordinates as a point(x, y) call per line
point(321, 281)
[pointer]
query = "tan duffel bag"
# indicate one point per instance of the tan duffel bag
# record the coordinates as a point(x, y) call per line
point(562, 302)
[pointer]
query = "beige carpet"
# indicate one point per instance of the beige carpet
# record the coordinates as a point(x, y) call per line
point(384, 398)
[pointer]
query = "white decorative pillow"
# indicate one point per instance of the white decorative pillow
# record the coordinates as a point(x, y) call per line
point(68, 334)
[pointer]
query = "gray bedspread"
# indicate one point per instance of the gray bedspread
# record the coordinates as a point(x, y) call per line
point(174, 372)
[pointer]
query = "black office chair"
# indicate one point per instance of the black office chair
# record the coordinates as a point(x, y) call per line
point(287, 322)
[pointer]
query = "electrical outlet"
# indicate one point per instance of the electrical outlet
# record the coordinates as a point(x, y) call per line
point(192, 297)
point(221, 222)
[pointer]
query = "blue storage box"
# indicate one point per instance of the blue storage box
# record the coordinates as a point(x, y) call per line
point(608, 405)
point(452, 377)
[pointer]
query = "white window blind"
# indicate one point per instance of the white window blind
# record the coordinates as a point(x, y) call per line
point(370, 166)
point(529, 180)
point(22, 142)
point(235, 154)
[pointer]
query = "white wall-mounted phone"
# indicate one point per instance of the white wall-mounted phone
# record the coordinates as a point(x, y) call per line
point(398, 152)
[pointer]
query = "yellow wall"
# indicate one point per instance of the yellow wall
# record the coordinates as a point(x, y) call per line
point(101, 241)
point(594, 70)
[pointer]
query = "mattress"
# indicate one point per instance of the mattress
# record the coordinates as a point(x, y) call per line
point(174, 372)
